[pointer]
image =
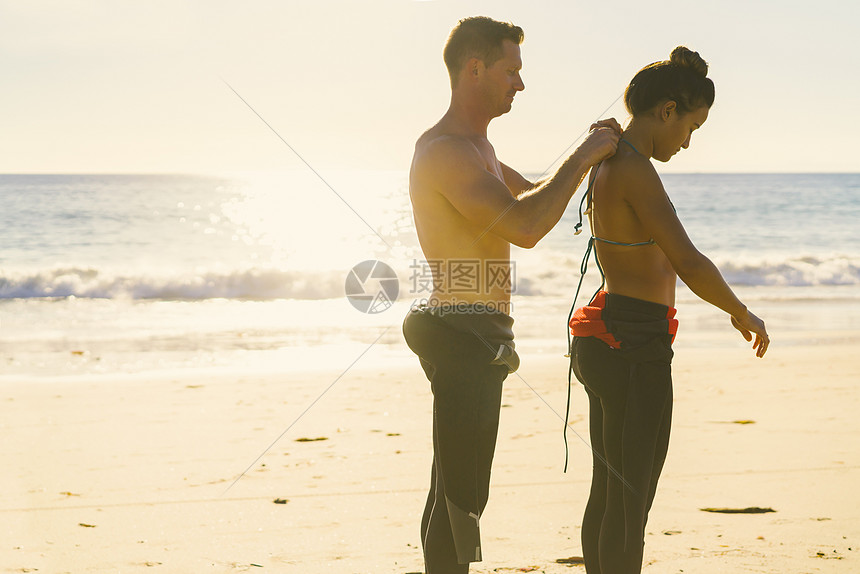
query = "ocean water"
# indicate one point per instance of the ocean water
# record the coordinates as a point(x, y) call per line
point(129, 274)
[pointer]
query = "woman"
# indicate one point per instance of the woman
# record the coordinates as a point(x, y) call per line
point(621, 350)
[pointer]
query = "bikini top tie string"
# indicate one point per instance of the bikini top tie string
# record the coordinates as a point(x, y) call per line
point(587, 200)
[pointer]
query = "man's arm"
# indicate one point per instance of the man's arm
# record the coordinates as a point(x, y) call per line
point(518, 184)
point(459, 173)
point(515, 182)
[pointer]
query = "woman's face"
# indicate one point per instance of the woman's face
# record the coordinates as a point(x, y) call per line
point(677, 129)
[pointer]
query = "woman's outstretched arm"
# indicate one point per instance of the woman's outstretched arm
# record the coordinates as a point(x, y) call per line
point(651, 205)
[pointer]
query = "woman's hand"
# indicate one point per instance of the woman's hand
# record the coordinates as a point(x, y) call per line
point(748, 324)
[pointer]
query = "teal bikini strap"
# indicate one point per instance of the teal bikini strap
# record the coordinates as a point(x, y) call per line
point(631, 145)
point(583, 269)
point(610, 242)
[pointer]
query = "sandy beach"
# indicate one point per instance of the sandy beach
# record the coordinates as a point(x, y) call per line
point(134, 474)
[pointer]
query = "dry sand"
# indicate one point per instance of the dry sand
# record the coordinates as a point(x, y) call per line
point(111, 474)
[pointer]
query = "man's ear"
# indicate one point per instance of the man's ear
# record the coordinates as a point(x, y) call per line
point(474, 67)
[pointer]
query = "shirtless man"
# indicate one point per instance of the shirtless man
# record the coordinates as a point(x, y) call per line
point(468, 209)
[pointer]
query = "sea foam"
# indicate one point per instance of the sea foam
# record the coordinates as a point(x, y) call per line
point(261, 283)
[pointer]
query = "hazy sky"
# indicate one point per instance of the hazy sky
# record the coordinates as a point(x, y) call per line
point(91, 86)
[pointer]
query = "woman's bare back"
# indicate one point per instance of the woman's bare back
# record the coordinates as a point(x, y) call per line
point(633, 262)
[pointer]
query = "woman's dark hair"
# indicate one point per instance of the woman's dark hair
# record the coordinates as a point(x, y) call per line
point(682, 78)
point(478, 37)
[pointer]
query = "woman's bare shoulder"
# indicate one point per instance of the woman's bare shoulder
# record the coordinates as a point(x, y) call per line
point(628, 171)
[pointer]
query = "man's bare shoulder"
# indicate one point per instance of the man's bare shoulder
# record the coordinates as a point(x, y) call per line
point(436, 148)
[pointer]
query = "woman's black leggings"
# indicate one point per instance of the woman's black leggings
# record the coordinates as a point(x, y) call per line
point(630, 414)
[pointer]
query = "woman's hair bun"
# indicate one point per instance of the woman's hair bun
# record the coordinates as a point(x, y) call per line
point(683, 78)
point(685, 58)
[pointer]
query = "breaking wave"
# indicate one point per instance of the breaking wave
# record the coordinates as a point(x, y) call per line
point(272, 284)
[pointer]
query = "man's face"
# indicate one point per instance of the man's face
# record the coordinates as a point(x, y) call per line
point(502, 80)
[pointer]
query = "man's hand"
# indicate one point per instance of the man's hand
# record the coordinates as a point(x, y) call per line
point(748, 324)
point(610, 123)
point(601, 143)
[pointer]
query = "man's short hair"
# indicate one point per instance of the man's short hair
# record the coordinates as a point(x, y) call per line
point(477, 37)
